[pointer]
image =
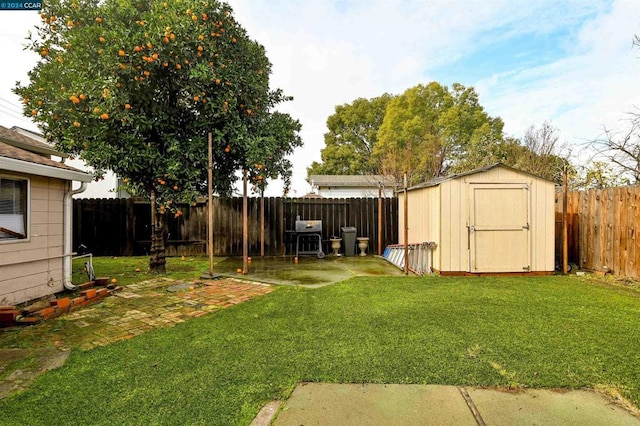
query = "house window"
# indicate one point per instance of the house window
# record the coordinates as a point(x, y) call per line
point(13, 208)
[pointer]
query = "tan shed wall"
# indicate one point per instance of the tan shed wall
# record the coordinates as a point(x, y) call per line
point(441, 214)
point(424, 217)
point(32, 268)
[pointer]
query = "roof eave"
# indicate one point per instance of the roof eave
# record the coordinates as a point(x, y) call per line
point(33, 148)
point(20, 166)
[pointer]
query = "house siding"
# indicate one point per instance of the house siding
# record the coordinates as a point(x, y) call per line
point(352, 192)
point(33, 268)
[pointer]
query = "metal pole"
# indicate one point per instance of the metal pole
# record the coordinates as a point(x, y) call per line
point(406, 227)
point(565, 241)
point(245, 225)
point(379, 219)
point(210, 205)
point(262, 223)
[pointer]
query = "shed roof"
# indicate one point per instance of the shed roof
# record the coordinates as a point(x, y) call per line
point(352, 180)
point(437, 181)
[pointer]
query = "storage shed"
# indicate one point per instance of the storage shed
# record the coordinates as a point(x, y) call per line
point(495, 219)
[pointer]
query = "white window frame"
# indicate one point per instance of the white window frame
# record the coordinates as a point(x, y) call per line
point(27, 212)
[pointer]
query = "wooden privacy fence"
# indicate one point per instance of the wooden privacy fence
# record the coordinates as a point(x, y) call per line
point(603, 228)
point(121, 227)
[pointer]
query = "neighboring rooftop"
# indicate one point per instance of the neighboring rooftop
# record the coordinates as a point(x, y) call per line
point(352, 180)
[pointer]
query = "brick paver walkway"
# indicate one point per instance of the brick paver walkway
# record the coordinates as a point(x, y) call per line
point(147, 305)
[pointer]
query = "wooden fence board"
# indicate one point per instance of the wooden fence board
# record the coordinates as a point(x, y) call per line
point(603, 228)
point(110, 227)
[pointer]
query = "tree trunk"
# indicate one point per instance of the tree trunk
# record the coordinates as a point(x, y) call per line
point(157, 261)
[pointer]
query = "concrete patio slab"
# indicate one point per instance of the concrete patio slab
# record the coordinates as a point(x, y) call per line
point(549, 407)
point(373, 405)
point(379, 404)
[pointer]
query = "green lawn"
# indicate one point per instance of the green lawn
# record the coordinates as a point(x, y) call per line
point(221, 368)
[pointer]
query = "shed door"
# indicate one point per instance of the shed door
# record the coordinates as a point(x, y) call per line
point(499, 227)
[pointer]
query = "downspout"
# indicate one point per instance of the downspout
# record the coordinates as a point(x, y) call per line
point(68, 233)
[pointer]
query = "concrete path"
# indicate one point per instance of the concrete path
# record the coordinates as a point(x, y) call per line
point(372, 405)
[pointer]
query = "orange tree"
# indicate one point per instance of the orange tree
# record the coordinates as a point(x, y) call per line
point(136, 86)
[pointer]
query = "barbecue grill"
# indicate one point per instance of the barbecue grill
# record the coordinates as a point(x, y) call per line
point(311, 230)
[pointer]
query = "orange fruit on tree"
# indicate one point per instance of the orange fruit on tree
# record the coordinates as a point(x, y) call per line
point(44, 52)
point(200, 37)
point(102, 39)
point(165, 39)
point(178, 66)
point(96, 110)
point(196, 98)
point(76, 124)
point(137, 49)
point(83, 96)
point(194, 17)
point(200, 48)
point(127, 106)
point(149, 45)
point(165, 64)
point(99, 20)
point(175, 187)
point(104, 116)
point(121, 52)
point(34, 112)
point(146, 73)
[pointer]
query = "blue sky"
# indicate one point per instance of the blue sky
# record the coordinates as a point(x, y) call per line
point(570, 62)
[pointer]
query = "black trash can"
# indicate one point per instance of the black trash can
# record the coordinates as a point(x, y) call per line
point(349, 240)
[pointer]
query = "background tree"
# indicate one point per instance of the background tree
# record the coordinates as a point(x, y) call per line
point(136, 86)
point(598, 175)
point(429, 130)
point(539, 153)
point(351, 138)
point(621, 149)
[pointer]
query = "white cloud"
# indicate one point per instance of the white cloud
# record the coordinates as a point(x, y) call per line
point(592, 87)
point(326, 53)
